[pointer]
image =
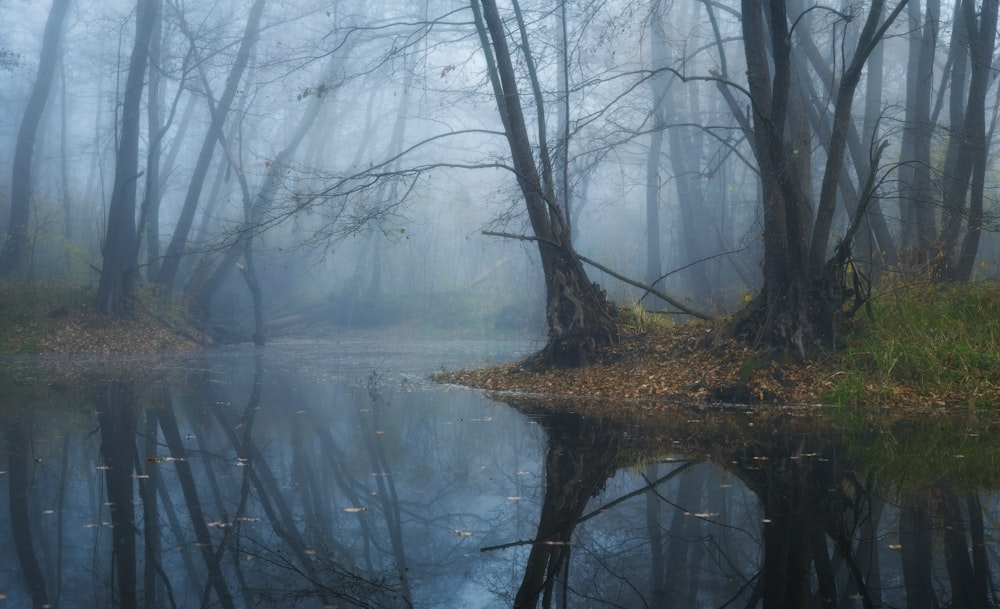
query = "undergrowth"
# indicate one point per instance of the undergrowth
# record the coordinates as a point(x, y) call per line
point(939, 340)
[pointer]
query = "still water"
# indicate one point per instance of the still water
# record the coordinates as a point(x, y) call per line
point(332, 474)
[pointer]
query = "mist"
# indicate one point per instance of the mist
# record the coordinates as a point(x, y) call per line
point(359, 173)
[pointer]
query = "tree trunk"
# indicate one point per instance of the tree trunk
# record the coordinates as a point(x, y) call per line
point(983, 45)
point(577, 311)
point(800, 306)
point(16, 243)
point(149, 224)
point(178, 242)
point(915, 154)
point(121, 242)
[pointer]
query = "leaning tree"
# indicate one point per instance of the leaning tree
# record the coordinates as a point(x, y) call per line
point(577, 310)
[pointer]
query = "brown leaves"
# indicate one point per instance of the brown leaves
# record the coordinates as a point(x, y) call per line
point(674, 365)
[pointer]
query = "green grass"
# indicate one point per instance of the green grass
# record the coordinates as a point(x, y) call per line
point(938, 340)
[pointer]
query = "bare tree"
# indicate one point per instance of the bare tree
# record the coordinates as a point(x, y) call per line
point(577, 311)
point(121, 243)
point(178, 242)
point(800, 307)
point(15, 245)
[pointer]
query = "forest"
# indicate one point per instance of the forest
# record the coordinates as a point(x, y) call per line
point(631, 222)
point(515, 166)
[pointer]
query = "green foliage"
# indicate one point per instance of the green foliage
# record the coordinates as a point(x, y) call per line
point(939, 340)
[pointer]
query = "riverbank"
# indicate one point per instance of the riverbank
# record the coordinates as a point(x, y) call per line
point(51, 320)
point(924, 347)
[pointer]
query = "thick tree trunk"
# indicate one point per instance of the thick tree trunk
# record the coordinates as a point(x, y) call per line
point(800, 307)
point(916, 188)
point(121, 241)
point(577, 311)
point(15, 245)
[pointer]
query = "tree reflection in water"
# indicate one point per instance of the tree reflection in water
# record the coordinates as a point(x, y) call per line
point(826, 528)
point(248, 484)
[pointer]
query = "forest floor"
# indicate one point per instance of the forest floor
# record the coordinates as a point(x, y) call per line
point(64, 323)
point(677, 365)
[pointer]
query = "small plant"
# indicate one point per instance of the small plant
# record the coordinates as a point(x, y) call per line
point(635, 319)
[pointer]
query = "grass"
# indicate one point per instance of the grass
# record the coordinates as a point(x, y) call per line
point(635, 319)
point(938, 340)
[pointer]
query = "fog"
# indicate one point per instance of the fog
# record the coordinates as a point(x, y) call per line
point(363, 158)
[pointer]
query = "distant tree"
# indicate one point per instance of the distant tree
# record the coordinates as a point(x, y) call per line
point(965, 177)
point(916, 190)
point(577, 311)
point(15, 244)
point(120, 250)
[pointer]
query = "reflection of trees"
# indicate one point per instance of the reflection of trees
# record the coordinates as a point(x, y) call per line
point(310, 559)
point(117, 416)
point(813, 525)
point(821, 525)
point(15, 431)
point(268, 489)
point(179, 455)
point(580, 457)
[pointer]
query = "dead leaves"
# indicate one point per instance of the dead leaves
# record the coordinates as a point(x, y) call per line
point(671, 366)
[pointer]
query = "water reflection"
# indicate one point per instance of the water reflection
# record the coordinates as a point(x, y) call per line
point(276, 480)
point(779, 512)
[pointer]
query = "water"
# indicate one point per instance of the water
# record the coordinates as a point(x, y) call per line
point(331, 474)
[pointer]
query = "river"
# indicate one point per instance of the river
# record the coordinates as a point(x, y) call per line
point(333, 474)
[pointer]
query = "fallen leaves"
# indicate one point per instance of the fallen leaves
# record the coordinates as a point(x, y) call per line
point(674, 365)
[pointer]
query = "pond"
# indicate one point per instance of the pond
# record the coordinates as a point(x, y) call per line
point(332, 474)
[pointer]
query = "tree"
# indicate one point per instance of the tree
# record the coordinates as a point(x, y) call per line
point(800, 307)
point(963, 188)
point(220, 111)
point(577, 311)
point(121, 241)
point(16, 243)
